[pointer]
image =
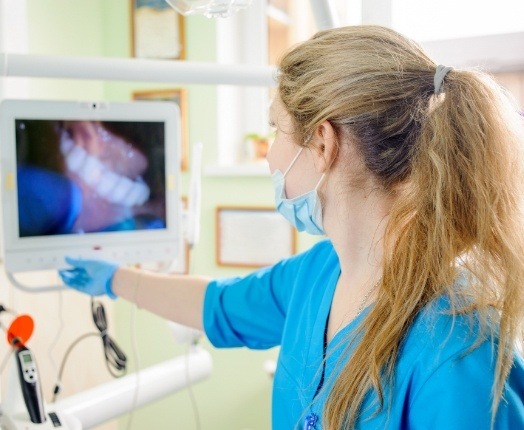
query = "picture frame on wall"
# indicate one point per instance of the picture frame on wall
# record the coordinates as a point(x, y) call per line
point(178, 96)
point(252, 236)
point(157, 30)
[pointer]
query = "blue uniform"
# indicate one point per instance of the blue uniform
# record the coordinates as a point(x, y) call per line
point(436, 386)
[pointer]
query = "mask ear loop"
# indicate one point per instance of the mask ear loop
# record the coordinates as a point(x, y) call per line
point(293, 161)
point(320, 181)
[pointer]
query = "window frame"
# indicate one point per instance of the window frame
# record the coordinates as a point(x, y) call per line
point(243, 38)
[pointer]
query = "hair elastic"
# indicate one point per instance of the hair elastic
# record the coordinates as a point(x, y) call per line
point(440, 74)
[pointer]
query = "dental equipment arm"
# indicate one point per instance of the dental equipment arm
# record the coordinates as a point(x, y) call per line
point(178, 298)
point(195, 196)
point(112, 399)
point(31, 289)
point(324, 14)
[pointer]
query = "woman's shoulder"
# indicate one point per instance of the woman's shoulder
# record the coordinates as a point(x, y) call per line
point(449, 328)
point(449, 357)
point(445, 335)
point(453, 323)
point(320, 253)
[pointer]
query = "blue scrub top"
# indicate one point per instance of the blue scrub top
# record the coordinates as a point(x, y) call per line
point(439, 384)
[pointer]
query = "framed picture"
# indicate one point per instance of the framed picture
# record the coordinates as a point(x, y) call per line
point(157, 30)
point(179, 96)
point(252, 236)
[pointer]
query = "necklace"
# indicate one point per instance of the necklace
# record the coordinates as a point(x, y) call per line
point(361, 305)
point(365, 299)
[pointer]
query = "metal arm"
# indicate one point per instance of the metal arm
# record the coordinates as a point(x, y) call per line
point(133, 69)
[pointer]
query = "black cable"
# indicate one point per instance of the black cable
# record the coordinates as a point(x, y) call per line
point(115, 358)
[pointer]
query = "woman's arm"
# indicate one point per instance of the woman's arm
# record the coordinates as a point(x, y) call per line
point(178, 298)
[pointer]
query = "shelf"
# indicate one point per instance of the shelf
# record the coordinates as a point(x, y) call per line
point(242, 169)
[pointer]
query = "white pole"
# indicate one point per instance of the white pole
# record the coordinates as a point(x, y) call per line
point(325, 16)
point(134, 69)
point(112, 399)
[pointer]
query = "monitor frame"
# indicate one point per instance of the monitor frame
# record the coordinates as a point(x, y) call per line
point(21, 254)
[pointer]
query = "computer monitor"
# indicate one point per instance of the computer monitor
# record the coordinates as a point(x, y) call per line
point(89, 179)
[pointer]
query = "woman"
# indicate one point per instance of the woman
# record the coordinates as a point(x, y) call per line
point(408, 315)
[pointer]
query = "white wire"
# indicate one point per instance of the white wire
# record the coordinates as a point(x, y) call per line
point(57, 337)
point(2, 367)
point(191, 394)
point(194, 404)
point(136, 356)
point(6, 359)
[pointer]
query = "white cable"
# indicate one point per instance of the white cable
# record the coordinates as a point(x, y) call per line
point(57, 337)
point(194, 404)
point(2, 367)
point(136, 356)
point(6, 359)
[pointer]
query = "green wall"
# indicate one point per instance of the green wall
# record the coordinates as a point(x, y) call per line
point(237, 396)
point(69, 28)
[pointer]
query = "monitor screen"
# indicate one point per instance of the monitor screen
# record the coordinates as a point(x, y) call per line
point(89, 180)
point(81, 176)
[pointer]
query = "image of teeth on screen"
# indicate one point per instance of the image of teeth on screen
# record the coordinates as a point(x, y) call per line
point(89, 176)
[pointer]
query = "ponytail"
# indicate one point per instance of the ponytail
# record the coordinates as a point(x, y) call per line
point(467, 178)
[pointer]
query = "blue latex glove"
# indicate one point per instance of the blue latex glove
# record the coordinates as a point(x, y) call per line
point(93, 277)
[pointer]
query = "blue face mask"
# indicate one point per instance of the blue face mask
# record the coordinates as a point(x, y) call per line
point(303, 212)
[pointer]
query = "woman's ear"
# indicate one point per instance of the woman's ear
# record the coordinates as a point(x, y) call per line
point(325, 147)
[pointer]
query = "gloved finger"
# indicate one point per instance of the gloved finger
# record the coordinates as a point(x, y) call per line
point(74, 277)
point(69, 279)
point(77, 262)
point(74, 271)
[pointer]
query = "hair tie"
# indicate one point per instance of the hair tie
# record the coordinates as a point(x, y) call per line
point(440, 74)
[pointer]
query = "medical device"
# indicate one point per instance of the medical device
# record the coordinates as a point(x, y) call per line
point(29, 383)
point(91, 180)
point(23, 407)
point(19, 416)
point(322, 9)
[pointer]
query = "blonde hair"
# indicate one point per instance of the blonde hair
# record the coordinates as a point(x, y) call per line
point(458, 157)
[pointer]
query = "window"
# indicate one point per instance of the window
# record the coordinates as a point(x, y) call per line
point(425, 20)
point(259, 36)
point(460, 34)
point(292, 21)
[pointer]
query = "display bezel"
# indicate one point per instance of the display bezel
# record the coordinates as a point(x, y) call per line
point(48, 252)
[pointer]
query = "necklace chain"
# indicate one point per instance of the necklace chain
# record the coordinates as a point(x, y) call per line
point(365, 299)
point(361, 305)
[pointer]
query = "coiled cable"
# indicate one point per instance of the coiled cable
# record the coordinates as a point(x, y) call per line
point(115, 358)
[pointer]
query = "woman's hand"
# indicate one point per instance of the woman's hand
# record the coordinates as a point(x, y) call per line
point(93, 277)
